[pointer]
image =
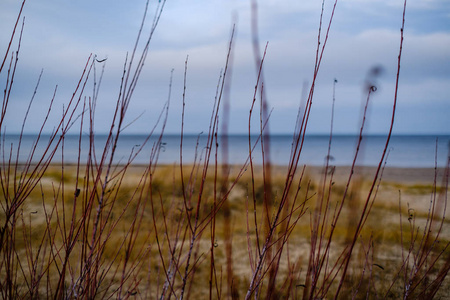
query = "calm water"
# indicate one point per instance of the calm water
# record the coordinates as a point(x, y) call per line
point(405, 151)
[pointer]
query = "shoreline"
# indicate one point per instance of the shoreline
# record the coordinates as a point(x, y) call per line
point(400, 175)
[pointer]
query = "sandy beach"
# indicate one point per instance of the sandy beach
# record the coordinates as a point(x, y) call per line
point(407, 176)
point(415, 185)
point(404, 198)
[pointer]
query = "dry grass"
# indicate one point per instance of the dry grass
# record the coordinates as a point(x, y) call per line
point(382, 229)
point(95, 229)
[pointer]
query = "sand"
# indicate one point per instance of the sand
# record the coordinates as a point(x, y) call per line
point(403, 192)
point(405, 176)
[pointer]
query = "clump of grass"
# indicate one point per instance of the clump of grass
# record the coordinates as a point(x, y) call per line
point(95, 229)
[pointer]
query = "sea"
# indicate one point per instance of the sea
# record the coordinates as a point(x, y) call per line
point(407, 151)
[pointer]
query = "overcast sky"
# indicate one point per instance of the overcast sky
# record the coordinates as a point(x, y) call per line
point(60, 35)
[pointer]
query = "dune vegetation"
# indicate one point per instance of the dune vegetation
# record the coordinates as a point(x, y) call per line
point(99, 229)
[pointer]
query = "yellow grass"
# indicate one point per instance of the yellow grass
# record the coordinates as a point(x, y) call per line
point(382, 227)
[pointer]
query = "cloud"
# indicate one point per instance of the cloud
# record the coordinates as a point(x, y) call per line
point(59, 37)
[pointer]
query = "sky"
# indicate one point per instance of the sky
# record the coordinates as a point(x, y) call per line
point(59, 36)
